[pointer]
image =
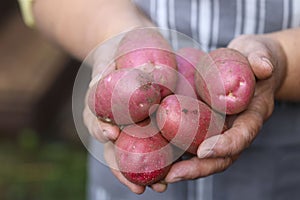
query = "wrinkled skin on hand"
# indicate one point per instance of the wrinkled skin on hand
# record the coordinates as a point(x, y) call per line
point(105, 132)
point(217, 153)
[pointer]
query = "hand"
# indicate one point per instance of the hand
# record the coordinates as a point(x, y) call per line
point(100, 59)
point(105, 132)
point(217, 153)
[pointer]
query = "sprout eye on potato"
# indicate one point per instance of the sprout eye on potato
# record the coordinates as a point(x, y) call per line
point(224, 78)
point(146, 95)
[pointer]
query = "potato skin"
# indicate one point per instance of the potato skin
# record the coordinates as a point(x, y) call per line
point(146, 49)
point(187, 60)
point(229, 68)
point(186, 122)
point(143, 156)
point(125, 96)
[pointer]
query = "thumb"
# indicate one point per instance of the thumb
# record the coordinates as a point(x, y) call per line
point(261, 65)
point(258, 52)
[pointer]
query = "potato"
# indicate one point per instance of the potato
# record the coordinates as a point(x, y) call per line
point(125, 96)
point(186, 121)
point(225, 81)
point(143, 156)
point(147, 50)
point(187, 59)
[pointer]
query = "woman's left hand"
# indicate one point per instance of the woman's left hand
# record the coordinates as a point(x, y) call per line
point(217, 153)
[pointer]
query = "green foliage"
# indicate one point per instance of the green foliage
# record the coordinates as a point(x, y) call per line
point(41, 170)
point(28, 139)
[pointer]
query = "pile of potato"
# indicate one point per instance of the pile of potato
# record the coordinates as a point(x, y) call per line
point(164, 100)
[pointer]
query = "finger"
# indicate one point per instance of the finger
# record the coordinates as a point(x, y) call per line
point(243, 131)
point(159, 187)
point(99, 72)
point(100, 130)
point(91, 122)
point(235, 139)
point(261, 64)
point(104, 54)
point(133, 187)
point(197, 168)
point(258, 52)
point(109, 155)
point(109, 131)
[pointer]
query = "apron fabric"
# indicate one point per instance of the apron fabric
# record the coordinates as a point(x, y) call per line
point(270, 168)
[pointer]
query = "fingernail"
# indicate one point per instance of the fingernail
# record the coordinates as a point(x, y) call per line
point(204, 152)
point(106, 134)
point(175, 179)
point(111, 135)
point(268, 65)
point(159, 187)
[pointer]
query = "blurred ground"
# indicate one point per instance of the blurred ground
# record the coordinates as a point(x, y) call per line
point(41, 156)
point(38, 169)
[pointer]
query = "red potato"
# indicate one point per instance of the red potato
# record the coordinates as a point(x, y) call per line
point(186, 122)
point(147, 50)
point(225, 81)
point(143, 156)
point(187, 60)
point(124, 97)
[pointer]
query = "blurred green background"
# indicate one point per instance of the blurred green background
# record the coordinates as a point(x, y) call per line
point(41, 155)
point(40, 169)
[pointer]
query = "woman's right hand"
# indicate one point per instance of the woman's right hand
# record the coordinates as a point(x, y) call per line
point(102, 61)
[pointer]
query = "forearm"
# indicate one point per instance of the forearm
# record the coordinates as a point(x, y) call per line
point(290, 43)
point(79, 25)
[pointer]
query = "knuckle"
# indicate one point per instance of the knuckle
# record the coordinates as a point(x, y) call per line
point(224, 163)
point(240, 140)
point(233, 144)
point(97, 132)
point(247, 138)
point(270, 108)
